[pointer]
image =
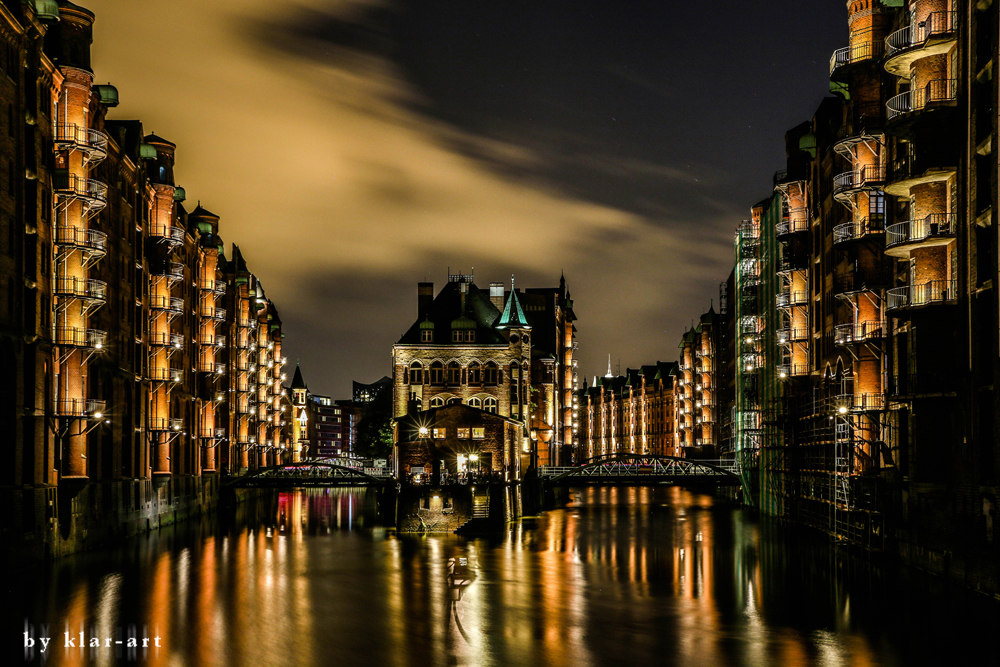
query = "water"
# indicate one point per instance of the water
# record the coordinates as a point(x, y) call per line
point(627, 576)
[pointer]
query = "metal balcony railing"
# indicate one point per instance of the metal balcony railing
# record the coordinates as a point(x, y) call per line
point(845, 334)
point(93, 193)
point(789, 299)
point(174, 340)
point(212, 313)
point(792, 334)
point(170, 304)
point(859, 178)
point(938, 90)
point(81, 288)
point(172, 270)
point(166, 424)
point(914, 296)
point(857, 229)
point(850, 55)
point(164, 374)
point(79, 407)
point(845, 403)
point(935, 225)
point(94, 339)
point(170, 233)
point(91, 240)
point(916, 35)
point(93, 143)
point(792, 370)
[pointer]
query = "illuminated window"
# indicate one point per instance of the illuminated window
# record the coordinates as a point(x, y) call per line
point(478, 433)
point(416, 373)
point(439, 433)
point(437, 402)
point(491, 405)
point(475, 403)
point(463, 434)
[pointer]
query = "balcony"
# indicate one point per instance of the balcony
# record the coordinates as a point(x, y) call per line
point(905, 172)
point(93, 339)
point(81, 288)
point(85, 408)
point(858, 280)
point(93, 194)
point(796, 221)
point(934, 292)
point(936, 229)
point(790, 263)
point(212, 433)
point(173, 340)
point(213, 367)
point(174, 271)
point(937, 93)
point(792, 335)
point(858, 229)
point(165, 374)
point(171, 304)
point(852, 55)
point(847, 334)
point(859, 403)
point(166, 424)
point(212, 313)
point(169, 234)
point(92, 143)
point(846, 184)
point(90, 241)
point(933, 36)
point(786, 371)
point(790, 299)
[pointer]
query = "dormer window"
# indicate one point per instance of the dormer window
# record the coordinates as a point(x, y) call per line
point(463, 336)
point(427, 336)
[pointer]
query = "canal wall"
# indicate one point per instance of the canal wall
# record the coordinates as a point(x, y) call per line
point(57, 521)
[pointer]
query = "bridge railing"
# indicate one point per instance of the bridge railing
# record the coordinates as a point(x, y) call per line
point(642, 468)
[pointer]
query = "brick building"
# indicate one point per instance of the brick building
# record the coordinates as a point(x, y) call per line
point(131, 348)
point(633, 413)
point(489, 352)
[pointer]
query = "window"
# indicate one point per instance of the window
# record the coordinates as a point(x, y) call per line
point(470, 336)
point(491, 374)
point(416, 373)
point(454, 373)
point(475, 374)
point(478, 433)
point(437, 373)
point(437, 402)
point(426, 335)
point(475, 403)
point(463, 434)
point(491, 405)
point(514, 338)
point(440, 433)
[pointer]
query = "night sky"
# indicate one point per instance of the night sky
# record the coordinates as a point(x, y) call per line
point(354, 148)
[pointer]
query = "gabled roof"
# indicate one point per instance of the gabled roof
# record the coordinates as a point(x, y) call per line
point(479, 314)
point(513, 317)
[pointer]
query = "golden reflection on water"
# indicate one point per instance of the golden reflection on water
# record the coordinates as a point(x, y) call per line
point(629, 574)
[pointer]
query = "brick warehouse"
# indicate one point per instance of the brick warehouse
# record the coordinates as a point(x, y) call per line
point(864, 330)
point(138, 360)
point(490, 352)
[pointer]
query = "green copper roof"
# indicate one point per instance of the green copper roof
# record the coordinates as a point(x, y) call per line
point(513, 317)
point(463, 322)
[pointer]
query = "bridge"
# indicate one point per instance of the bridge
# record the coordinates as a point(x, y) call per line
point(642, 469)
point(311, 473)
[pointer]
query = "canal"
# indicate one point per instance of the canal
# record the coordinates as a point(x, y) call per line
point(629, 576)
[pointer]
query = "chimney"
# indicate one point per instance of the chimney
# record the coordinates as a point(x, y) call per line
point(425, 296)
point(496, 295)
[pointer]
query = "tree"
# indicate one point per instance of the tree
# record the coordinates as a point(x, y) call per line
point(375, 426)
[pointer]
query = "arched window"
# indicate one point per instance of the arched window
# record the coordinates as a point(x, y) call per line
point(454, 373)
point(492, 374)
point(437, 373)
point(491, 405)
point(437, 402)
point(475, 403)
point(475, 374)
point(416, 373)
point(454, 401)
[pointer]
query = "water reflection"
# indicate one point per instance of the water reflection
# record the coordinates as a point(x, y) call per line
point(617, 576)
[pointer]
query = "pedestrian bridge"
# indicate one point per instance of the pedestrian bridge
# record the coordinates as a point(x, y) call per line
point(313, 472)
point(640, 469)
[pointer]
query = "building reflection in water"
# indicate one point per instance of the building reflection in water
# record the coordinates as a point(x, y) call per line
point(619, 575)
